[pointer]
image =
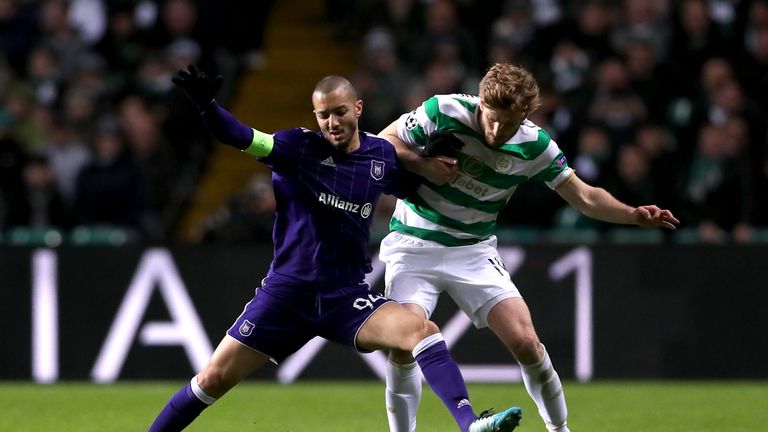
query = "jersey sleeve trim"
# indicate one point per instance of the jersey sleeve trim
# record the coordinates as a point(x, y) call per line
point(570, 174)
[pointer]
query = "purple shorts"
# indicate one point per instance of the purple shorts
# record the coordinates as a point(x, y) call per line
point(277, 322)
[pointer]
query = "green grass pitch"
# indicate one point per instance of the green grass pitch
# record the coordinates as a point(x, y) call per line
point(658, 406)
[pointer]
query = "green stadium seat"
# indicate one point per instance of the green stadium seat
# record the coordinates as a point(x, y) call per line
point(563, 235)
point(99, 236)
point(519, 235)
point(33, 237)
point(635, 236)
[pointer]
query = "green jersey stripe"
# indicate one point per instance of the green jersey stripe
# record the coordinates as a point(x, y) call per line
point(529, 150)
point(458, 197)
point(553, 170)
point(485, 174)
point(435, 236)
point(469, 106)
point(456, 211)
point(418, 135)
point(421, 208)
point(441, 116)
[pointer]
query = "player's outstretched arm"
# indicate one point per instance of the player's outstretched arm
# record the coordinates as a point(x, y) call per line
point(225, 127)
point(439, 169)
point(598, 203)
point(198, 86)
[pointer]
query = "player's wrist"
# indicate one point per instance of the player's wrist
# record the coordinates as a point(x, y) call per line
point(205, 106)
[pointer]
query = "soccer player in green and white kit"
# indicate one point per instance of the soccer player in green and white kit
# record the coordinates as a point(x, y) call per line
point(442, 238)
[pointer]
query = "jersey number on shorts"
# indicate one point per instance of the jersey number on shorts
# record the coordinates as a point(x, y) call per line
point(498, 265)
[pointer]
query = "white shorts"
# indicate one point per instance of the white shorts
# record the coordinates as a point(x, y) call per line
point(419, 270)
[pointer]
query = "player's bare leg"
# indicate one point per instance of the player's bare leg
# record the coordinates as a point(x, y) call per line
point(393, 326)
point(230, 363)
point(511, 321)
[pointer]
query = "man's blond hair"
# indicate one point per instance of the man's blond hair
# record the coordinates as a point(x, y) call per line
point(509, 87)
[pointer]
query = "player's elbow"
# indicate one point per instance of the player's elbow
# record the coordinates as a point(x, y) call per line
point(585, 200)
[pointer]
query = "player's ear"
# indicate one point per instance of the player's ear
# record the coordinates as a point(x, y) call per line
point(358, 108)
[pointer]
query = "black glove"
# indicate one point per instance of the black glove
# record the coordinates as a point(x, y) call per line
point(198, 85)
point(440, 143)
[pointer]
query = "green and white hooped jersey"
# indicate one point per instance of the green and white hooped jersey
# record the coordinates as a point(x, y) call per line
point(465, 211)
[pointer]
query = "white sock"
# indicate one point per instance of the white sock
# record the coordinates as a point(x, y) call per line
point(199, 393)
point(403, 394)
point(543, 384)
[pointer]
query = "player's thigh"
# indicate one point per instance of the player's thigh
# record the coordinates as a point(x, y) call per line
point(412, 273)
point(511, 321)
point(393, 326)
point(477, 281)
point(230, 363)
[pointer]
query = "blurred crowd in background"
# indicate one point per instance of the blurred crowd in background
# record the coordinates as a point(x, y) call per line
point(658, 101)
point(92, 131)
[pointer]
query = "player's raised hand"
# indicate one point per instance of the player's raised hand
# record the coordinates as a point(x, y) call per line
point(653, 216)
point(201, 88)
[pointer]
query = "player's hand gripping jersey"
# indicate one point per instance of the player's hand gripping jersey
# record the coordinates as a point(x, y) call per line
point(465, 210)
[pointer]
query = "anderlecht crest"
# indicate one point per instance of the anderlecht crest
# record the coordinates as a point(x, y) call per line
point(246, 328)
point(377, 169)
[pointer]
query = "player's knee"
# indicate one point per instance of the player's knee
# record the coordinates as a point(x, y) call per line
point(421, 330)
point(527, 349)
point(430, 328)
point(401, 357)
point(212, 381)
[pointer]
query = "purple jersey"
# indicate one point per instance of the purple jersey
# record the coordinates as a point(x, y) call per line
point(324, 205)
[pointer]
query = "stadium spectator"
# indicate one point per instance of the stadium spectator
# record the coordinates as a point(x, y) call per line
point(694, 40)
point(717, 185)
point(661, 150)
point(89, 18)
point(66, 155)
point(110, 190)
point(60, 36)
point(249, 216)
point(123, 44)
point(642, 20)
point(444, 40)
point(404, 20)
point(594, 155)
point(12, 161)
point(649, 77)
point(632, 182)
point(19, 32)
point(44, 75)
point(615, 105)
point(568, 72)
point(157, 164)
point(380, 78)
point(43, 206)
point(590, 29)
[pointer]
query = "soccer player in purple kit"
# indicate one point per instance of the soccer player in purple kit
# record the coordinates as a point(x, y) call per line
point(326, 185)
